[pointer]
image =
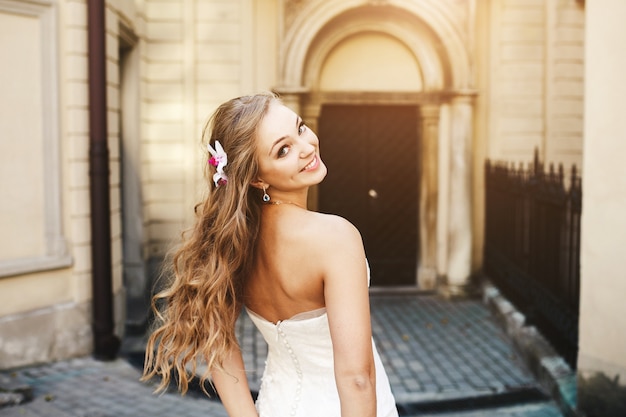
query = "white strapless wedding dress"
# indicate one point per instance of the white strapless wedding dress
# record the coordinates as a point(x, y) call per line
point(299, 378)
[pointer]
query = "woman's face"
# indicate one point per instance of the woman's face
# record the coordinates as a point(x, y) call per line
point(287, 151)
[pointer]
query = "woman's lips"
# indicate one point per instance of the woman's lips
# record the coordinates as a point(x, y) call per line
point(312, 165)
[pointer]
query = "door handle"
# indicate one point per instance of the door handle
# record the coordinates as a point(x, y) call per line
point(372, 193)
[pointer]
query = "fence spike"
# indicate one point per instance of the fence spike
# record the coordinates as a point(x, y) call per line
point(575, 181)
point(551, 174)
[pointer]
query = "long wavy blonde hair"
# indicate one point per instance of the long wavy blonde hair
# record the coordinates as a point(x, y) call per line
point(197, 311)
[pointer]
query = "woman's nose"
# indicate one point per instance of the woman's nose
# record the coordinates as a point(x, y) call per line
point(307, 149)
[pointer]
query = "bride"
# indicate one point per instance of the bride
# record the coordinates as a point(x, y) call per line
point(302, 276)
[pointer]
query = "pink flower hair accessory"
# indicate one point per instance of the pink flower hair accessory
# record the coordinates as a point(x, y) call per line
point(219, 160)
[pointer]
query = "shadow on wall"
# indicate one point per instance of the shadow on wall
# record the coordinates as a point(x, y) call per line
point(601, 396)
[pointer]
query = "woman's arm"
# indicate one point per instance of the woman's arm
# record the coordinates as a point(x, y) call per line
point(347, 304)
point(232, 386)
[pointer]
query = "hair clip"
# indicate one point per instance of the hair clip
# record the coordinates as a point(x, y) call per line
point(219, 160)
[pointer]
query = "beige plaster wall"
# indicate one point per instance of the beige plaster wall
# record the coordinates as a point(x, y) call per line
point(45, 314)
point(33, 142)
point(536, 80)
point(21, 151)
point(602, 308)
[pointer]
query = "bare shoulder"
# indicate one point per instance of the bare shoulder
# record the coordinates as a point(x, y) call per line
point(333, 232)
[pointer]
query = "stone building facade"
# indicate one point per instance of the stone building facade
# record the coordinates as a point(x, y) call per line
point(481, 78)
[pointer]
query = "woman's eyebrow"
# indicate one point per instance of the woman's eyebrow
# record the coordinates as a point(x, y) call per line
point(280, 139)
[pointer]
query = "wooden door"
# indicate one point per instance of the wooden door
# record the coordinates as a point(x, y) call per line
point(372, 157)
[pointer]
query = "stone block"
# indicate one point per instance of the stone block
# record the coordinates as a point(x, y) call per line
point(77, 122)
point(80, 230)
point(76, 66)
point(162, 235)
point(166, 173)
point(521, 124)
point(166, 151)
point(164, 91)
point(569, 52)
point(569, 88)
point(573, 16)
point(164, 31)
point(45, 335)
point(82, 257)
point(211, 51)
point(522, 33)
point(522, 107)
point(113, 45)
point(76, 40)
point(163, 111)
point(156, 131)
point(164, 211)
point(218, 32)
point(164, 192)
point(11, 398)
point(164, 51)
point(79, 201)
point(163, 11)
point(524, 15)
point(569, 69)
point(76, 94)
point(113, 72)
point(573, 124)
point(217, 71)
point(522, 52)
point(165, 71)
point(218, 11)
point(570, 34)
point(79, 174)
point(75, 14)
point(521, 88)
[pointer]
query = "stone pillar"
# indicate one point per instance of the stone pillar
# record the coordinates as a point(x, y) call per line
point(427, 256)
point(459, 242)
point(602, 340)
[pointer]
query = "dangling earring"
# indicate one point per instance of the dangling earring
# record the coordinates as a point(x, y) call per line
point(266, 196)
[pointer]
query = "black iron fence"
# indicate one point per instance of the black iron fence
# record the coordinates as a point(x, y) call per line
point(532, 246)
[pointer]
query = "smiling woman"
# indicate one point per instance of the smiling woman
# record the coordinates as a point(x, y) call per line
point(302, 276)
point(288, 155)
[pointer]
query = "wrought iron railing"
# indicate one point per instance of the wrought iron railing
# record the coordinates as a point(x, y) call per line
point(532, 246)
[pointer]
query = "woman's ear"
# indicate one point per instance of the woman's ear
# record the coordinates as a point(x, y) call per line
point(260, 184)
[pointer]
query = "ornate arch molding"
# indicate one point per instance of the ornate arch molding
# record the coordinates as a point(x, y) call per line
point(313, 30)
point(432, 72)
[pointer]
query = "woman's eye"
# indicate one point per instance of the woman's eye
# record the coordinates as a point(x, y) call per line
point(301, 128)
point(284, 150)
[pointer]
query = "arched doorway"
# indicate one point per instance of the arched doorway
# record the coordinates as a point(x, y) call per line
point(347, 60)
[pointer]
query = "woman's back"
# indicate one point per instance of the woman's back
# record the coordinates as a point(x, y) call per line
point(287, 277)
point(285, 300)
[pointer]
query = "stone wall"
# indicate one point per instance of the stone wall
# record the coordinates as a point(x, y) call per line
point(602, 341)
point(536, 83)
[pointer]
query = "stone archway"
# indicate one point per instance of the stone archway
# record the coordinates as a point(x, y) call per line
point(445, 118)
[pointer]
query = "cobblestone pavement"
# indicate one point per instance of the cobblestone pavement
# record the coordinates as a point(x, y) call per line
point(444, 358)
